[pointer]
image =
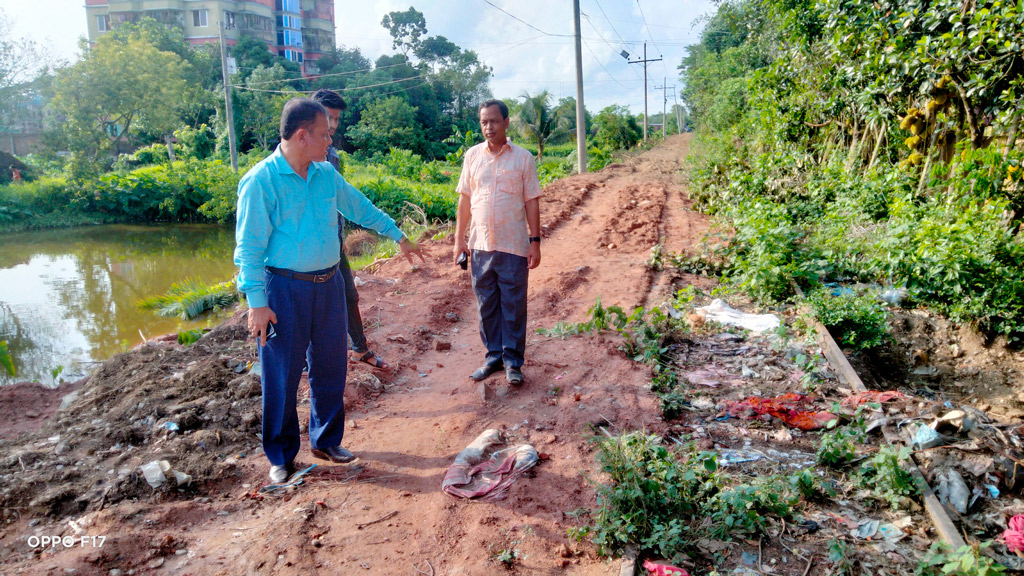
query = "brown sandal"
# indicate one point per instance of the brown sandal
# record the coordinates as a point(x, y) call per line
point(373, 360)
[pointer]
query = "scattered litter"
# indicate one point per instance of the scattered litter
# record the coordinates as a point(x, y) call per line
point(750, 558)
point(748, 373)
point(926, 437)
point(732, 457)
point(893, 296)
point(157, 471)
point(171, 426)
point(654, 569)
point(474, 475)
point(891, 532)
point(787, 407)
point(993, 491)
point(871, 396)
point(952, 490)
point(956, 420)
point(719, 311)
point(1013, 536)
point(782, 435)
point(866, 529)
point(712, 377)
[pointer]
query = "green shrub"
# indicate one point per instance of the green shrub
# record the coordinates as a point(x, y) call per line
point(838, 447)
point(403, 163)
point(190, 298)
point(653, 499)
point(744, 509)
point(886, 475)
point(857, 321)
point(551, 170)
point(968, 560)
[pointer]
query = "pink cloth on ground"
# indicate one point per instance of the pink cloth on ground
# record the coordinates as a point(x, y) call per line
point(472, 476)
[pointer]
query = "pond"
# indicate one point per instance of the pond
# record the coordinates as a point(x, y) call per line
point(68, 297)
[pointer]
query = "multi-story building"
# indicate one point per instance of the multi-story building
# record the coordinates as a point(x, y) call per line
point(299, 30)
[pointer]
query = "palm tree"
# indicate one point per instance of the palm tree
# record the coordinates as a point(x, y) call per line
point(535, 120)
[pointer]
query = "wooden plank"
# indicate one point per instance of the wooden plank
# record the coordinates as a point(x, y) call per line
point(943, 524)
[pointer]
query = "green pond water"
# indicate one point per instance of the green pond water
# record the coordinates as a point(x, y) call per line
point(68, 297)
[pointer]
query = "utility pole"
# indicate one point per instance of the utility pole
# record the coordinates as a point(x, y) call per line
point(679, 110)
point(230, 114)
point(664, 102)
point(644, 62)
point(581, 117)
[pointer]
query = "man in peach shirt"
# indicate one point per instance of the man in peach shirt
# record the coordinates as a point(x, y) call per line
point(498, 201)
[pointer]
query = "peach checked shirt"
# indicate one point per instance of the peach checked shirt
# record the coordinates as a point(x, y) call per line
point(498, 186)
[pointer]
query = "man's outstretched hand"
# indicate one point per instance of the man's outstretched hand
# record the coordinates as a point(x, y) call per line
point(409, 248)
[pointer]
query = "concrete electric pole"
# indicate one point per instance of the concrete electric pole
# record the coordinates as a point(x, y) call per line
point(644, 62)
point(664, 102)
point(229, 112)
point(581, 117)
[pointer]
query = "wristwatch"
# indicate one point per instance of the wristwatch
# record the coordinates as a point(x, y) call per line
point(535, 239)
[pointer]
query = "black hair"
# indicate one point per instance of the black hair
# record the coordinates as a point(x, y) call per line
point(299, 113)
point(500, 104)
point(328, 99)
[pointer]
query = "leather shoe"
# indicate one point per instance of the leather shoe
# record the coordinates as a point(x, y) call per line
point(514, 376)
point(335, 454)
point(485, 371)
point(279, 474)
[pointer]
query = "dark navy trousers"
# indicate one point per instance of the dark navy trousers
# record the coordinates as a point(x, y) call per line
point(500, 282)
point(311, 326)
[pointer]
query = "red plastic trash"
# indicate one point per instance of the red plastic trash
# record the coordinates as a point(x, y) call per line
point(663, 569)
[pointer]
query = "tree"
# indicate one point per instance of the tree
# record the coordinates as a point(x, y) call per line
point(251, 52)
point(565, 113)
point(405, 28)
point(616, 128)
point(261, 110)
point(536, 121)
point(120, 85)
point(385, 123)
point(21, 63)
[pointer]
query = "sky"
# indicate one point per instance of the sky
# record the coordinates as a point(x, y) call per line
point(527, 43)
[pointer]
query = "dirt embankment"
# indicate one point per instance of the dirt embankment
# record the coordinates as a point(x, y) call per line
point(198, 408)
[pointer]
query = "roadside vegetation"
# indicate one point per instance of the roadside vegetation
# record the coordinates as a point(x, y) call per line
point(859, 142)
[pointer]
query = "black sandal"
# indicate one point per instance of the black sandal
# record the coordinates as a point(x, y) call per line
point(373, 360)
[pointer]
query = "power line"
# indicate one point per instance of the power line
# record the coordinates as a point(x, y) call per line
point(606, 42)
point(609, 21)
point(318, 76)
point(514, 17)
point(651, 36)
point(602, 65)
point(242, 87)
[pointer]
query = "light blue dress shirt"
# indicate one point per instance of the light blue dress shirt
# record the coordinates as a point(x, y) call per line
point(287, 222)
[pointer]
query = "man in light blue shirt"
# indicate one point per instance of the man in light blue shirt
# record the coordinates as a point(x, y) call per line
point(287, 250)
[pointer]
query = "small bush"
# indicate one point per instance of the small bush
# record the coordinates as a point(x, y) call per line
point(885, 474)
point(857, 321)
point(839, 447)
point(654, 499)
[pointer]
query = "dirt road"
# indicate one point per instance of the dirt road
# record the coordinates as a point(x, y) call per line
point(385, 514)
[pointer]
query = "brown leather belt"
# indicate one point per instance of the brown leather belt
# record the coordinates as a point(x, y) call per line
point(316, 278)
